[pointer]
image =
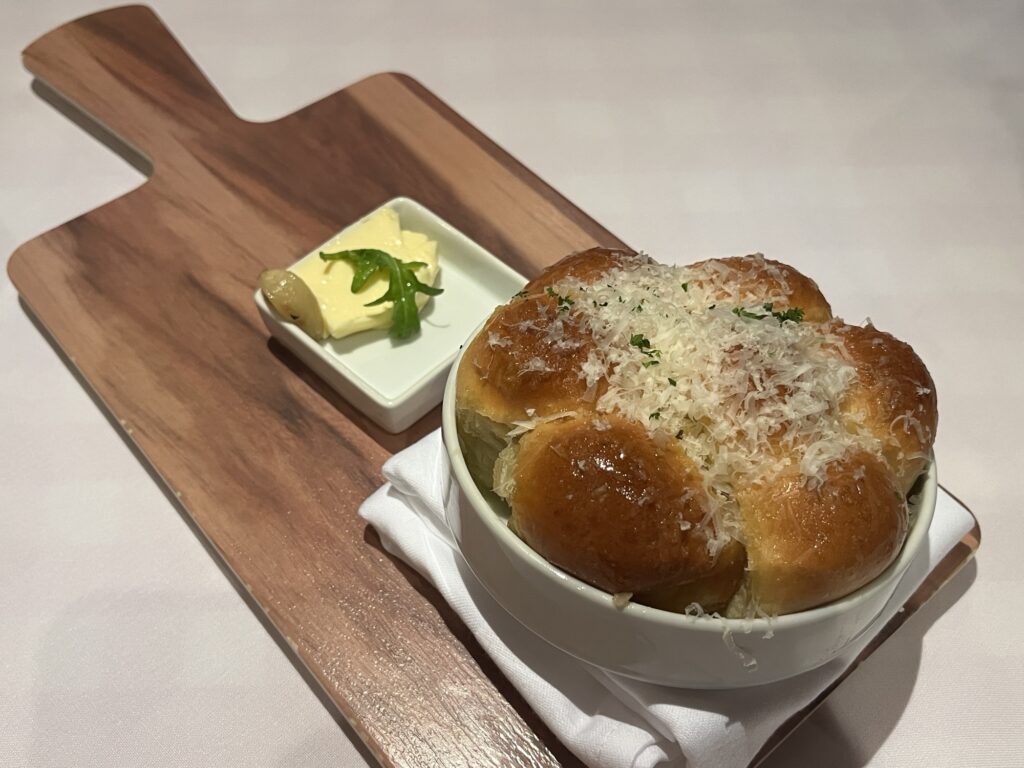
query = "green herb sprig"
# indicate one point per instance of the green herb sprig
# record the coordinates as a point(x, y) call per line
point(564, 302)
point(741, 312)
point(403, 285)
point(643, 344)
point(794, 314)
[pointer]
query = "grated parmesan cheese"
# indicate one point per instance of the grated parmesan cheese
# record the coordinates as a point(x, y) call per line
point(747, 659)
point(494, 340)
point(621, 599)
point(524, 426)
point(535, 365)
point(745, 394)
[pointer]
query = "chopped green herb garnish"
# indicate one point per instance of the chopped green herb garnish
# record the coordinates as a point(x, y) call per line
point(794, 314)
point(671, 381)
point(640, 341)
point(519, 295)
point(564, 302)
point(712, 307)
point(655, 416)
point(403, 285)
point(741, 312)
point(686, 287)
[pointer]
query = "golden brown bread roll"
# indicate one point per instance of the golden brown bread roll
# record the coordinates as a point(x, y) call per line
point(807, 545)
point(712, 592)
point(609, 505)
point(754, 279)
point(686, 435)
point(524, 363)
point(586, 266)
point(893, 399)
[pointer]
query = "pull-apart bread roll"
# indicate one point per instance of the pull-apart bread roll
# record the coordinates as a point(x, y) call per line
point(755, 279)
point(701, 438)
point(524, 363)
point(586, 266)
point(811, 545)
point(600, 498)
point(526, 360)
point(893, 399)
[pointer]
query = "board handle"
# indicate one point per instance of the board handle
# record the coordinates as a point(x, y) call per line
point(124, 69)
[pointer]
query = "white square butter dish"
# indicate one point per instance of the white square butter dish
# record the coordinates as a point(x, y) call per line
point(397, 382)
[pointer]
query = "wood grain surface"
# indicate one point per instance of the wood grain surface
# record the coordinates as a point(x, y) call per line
point(150, 298)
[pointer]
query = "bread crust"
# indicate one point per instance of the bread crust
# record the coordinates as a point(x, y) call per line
point(587, 266)
point(757, 279)
point(712, 591)
point(610, 505)
point(893, 399)
point(809, 545)
point(526, 358)
point(515, 369)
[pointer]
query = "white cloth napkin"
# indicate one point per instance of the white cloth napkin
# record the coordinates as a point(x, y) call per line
point(607, 720)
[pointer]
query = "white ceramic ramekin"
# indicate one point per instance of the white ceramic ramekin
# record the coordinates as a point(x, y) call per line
point(647, 643)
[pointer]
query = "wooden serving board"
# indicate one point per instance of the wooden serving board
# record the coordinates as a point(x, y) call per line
point(150, 299)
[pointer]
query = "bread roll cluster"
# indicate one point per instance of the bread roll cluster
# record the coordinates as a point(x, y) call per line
point(700, 438)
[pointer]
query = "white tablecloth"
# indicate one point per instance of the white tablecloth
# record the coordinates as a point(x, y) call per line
point(877, 146)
